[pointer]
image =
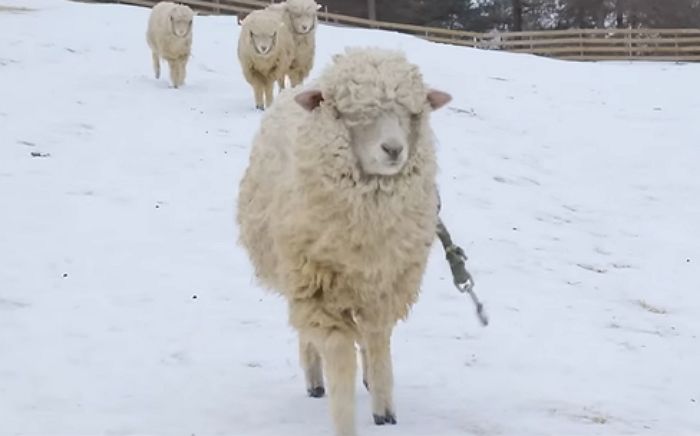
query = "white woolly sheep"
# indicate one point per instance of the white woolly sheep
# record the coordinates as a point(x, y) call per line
point(338, 210)
point(264, 52)
point(300, 18)
point(170, 37)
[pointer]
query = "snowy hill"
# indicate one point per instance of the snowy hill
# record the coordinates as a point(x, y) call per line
point(127, 308)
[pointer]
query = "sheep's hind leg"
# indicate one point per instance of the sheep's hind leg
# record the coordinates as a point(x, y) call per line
point(380, 375)
point(281, 83)
point(295, 78)
point(340, 364)
point(365, 374)
point(311, 364)
point(156, 64)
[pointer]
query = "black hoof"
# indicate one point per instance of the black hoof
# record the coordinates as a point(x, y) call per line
point(389, 418)
point(316, 392)
point(364, 382)
point(260, 108)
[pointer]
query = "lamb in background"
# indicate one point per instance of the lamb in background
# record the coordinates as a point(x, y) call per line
point(300, 18)
point(169, 36)
point(338, 210)
point(265, 53)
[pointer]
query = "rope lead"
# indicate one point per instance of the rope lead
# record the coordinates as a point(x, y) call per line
point(460, 276)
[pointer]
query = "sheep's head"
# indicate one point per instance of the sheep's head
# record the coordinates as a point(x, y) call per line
point(262, 28)
point(380, 98)
point(181, 20)
point(302, 14)
point(263, 42)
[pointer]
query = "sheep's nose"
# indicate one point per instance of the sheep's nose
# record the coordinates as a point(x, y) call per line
point(263, 48)
point(392, 149)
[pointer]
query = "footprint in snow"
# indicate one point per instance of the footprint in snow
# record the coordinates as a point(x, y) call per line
point(206, 68)
point(520, 181)
point(6, 303)
point(592, 268)
point(651, 308)
point(470, 112)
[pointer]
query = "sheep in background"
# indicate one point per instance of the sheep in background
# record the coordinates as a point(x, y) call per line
point(300, 18)
point(264, 52)
point(169, 36)
point(338, 210)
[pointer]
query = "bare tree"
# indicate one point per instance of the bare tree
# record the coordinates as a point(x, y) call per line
point(620, 14)
point(372, 9)
point(517, 15)
point(419, 12)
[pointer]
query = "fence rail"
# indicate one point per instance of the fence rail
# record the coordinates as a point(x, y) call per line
point(676, 45)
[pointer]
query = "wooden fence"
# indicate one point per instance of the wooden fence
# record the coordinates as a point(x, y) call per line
point(673, 45)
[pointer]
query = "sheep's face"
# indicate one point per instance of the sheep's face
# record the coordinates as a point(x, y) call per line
point(263, 42)
point(381, 142)
point(381, 146)
point(181, 21)
point(303, 15)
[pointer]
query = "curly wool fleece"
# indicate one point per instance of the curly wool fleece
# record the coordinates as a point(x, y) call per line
point(364, 83)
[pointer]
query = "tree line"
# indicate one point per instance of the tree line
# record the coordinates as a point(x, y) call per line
point(514, 15)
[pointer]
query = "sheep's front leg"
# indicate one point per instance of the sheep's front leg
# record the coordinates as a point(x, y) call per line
point(269, 87)
point(380, 375)
point(258, 91)
point(311, 364)
point(156, 64)
point(340, 364)
point(174, 72)
point(182, 71)
point(281, 83)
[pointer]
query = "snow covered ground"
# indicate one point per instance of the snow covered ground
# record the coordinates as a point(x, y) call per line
point(126, 307)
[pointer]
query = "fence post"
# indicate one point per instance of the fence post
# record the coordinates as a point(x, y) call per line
point(580, 44)
point(629, 43)
point(217, 9)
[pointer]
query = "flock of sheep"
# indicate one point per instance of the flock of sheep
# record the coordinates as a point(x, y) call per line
point(338, 207)
point(274, 44)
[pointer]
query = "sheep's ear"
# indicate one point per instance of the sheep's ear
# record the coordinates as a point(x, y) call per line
point(438, 99)
point(310, 99)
